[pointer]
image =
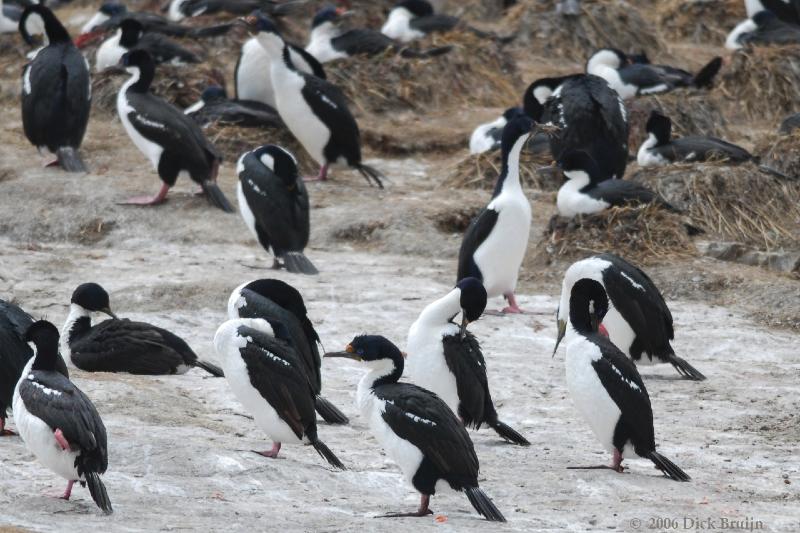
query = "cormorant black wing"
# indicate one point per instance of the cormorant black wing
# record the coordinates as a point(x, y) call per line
point(362, 41)
point(55, 400)
point(422, 418)
point(434, 23)
point(696, 148)
point(135, 347)
point(163, 49)
point(465, 360)
point(620, 378)
point(277, 374)
point(480, 228)
point(622, 192)
point(329, 104)
point(644, 76)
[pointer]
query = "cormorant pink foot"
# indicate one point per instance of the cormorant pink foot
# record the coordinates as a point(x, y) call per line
point(423, 510)
point(512, 308)
point(273, 453)
point(67, 491)
point(3, 431)
point(148, 200)
point(322, 176)
point(61, 440)
point(53, 163)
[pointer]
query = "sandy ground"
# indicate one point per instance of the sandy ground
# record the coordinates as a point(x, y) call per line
point(180, 446)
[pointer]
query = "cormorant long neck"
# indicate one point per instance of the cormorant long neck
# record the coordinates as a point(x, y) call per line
point(509, 176)
point(78, 323)
point(129, 37)
point(287, 57)
point(588, 305)
point(56, 33)
point(442, 310)
point(142, 78)
point(386, 371)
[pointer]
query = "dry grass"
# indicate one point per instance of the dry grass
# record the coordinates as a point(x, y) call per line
point(781, 152)
point(761, 83)
point(233, 141)
point(642, 234)
point(474, 72)
point(480, 171)
point(604, 23)
point(699, 21)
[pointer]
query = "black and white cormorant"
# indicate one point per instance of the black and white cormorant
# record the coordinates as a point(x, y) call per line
point(605, 386)
point(765, 29)
point(786, 10)
point(631, 78)
point(180, 9)
point(171, 141)
point(637, 321)
point(131, 35)
point(214, 106)
point(122, 345)
point(314, 110)
point(14, 355)
point(273, 201)
point(412, 19)
point(111, 14)
point(282, 306)
point(495, 241)
point(57, 421)
point(416, 428)
point(56, 92)
point(329, 42)
point(268, 378)
point(660, 148)
point(588, 190)
point(253, 76)
point(447, 359)
point(488, 137)
point(587, 114)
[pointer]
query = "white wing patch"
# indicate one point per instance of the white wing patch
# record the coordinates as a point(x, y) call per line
point(632, 282)
point(328, 101)
point(630, 383)
point(271, 355)
point(419, 419)
point(48, 391)
point(255, 188)
point(26, 80)
point(148, 122)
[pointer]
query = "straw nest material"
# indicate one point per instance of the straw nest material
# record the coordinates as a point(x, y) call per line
point(474, 72)
point(699, 21)
point(612, 23)
point(642, 234)
point(762, 82)
point(180, 85)
point(480, 171)
point(782, 153)
point(233, 141)
point(741, 204)
point(692, 111)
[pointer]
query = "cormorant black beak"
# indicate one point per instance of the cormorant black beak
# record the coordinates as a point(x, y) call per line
point(108, 311)
point(348, 353)
point(464, 324)
point(562, 330)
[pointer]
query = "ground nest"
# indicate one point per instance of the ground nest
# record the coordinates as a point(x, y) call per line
point(642, 234)
point(233, 141)
point(762, 82)
point(699, 21)
point(480, 171)
point(611, 23)
point(741, 204)
point(474, 72)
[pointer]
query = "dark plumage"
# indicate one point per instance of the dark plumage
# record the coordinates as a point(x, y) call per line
point(56, 92)
point(282, 306)
point(172, 141)
point(660, 147)
point(14, 355)
point(769, 30)
point(588, 115)
point(606, 387)
point(121, 345)
point(274, 204)
point(215, 107)
point(160, 48)
point(405, 412)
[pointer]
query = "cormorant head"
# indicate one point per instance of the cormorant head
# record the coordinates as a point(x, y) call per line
point(265, 31)
point(418, 8)
point(280, 161)
point(377, 352)
point(281, 293)
point(640, 58)
point(136, 60)
point(44, 335)
point(37, 20)
point(588, 305)
point(659, 126)
point(92, 297)
point(517, 129)
point(472, 299)
point(132, 31)
point(327, 14)
point(213, 93)
point(513, 112)
point(577, 163)
point(764, 18)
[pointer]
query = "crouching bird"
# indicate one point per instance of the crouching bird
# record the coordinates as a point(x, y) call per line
point(172, 141)
point(416, 428)
point(606, 387)
point(57, 421)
